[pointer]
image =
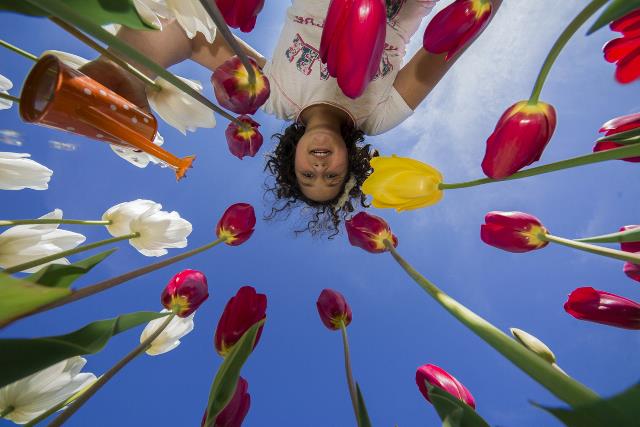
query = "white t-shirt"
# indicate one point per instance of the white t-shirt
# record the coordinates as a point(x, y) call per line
point(299, 79)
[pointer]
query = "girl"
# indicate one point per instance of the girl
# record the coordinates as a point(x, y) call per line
point(320, 160)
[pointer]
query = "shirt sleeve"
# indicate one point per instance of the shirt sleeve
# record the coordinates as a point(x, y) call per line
point(387, 115)
point(409, 17)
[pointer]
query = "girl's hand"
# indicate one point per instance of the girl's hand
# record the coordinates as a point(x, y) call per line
point(118, 80)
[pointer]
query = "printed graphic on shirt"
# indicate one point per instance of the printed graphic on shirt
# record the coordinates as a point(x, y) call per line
point(306, 56)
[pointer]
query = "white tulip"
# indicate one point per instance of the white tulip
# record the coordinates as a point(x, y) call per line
point(137, 157)
point(18, 172)
point(158, 229)
point(33, 395)
point(5, 85)
point(170, 337)
point(193, 18)
point(179, 109)
point(533, 344)
point(24, 243)
point(68, 59)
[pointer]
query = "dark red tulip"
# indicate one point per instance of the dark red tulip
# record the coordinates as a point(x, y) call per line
point(603, 307)
point(440, 378)
point(513, 231)
point(333, 309)
point(456, 25)
point(632, 271)
point(615, 126)
point(237, 224)
point(244, 141)
point(520, 137)
point(241, 312)
point(353, 41)
point(369, 232)
point(236, 410)
point(185, 292)
point(240, 14)
point(233, 91)
point(625, 51)
point(630, 246)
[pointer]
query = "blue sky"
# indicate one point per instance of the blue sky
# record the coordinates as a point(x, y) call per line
point(296, 375)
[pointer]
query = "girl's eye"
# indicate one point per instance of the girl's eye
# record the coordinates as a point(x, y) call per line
point(332, 175)
point(307, 174)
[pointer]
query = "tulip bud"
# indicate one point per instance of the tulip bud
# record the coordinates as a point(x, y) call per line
point(513, 231)
point(630, 246)
point(615, 126)
point(520, 137)
point(625, 51)
point(603, 307)
point(242, 311)
point(352, 42)
point(233, 90)
point(455, 25)
point(402, 183)
point(240, 14)
point(236, 410)
point(333, 309)
point(369, 232)
point(632, 271)
point(237, 224)
point(533, 344)
point(244, 141)
point(440, 378)
point(185, 292)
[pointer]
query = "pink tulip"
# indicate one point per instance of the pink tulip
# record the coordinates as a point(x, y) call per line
point(440, 378)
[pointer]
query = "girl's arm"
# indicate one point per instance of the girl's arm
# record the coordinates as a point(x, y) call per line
point(423, 72)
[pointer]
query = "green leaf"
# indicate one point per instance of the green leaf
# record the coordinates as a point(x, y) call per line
point(19, 297)
point(27, 356)
point(632, 235)
point(449, 406)
point(631, 136)
point(226, 380)
point(363, 415)
point(62, 276)
point(620, 410)
point(101, 12)
point(616, 9)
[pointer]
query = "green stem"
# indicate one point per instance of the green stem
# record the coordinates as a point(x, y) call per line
point(97, 385)
point(115, 281)
point(562, 386)
point(349, 372)
point(69, 252)
point(601, 156)
point(7, 411)
point(212, 9)
point(11, 222)
point(9, 97)
point(148, 81)
point(560, 43)
point(19, 51)
point(71, 17)
point(594, 249)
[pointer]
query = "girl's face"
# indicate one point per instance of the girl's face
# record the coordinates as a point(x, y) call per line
point(321, 164)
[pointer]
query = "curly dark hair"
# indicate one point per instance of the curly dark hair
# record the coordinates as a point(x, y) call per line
point(283, 186)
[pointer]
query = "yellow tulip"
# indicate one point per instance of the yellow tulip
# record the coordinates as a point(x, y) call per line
point(402, 183)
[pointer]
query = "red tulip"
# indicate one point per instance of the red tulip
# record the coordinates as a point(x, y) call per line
point(244, 142)
point(455, 25)
point(236, 224)
point(513, 231)
point(333, 309)
point(233, 414)
point(233, 91)
point(625, 51)
point(353, 41)
point(241, 312)
point(369, 232)
point(632, 271)
point(440, 378)
point(185, 292)
point(519, 138)
point(240, 14)
point(615, 126)
point(603, 307)
point(630, 246)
